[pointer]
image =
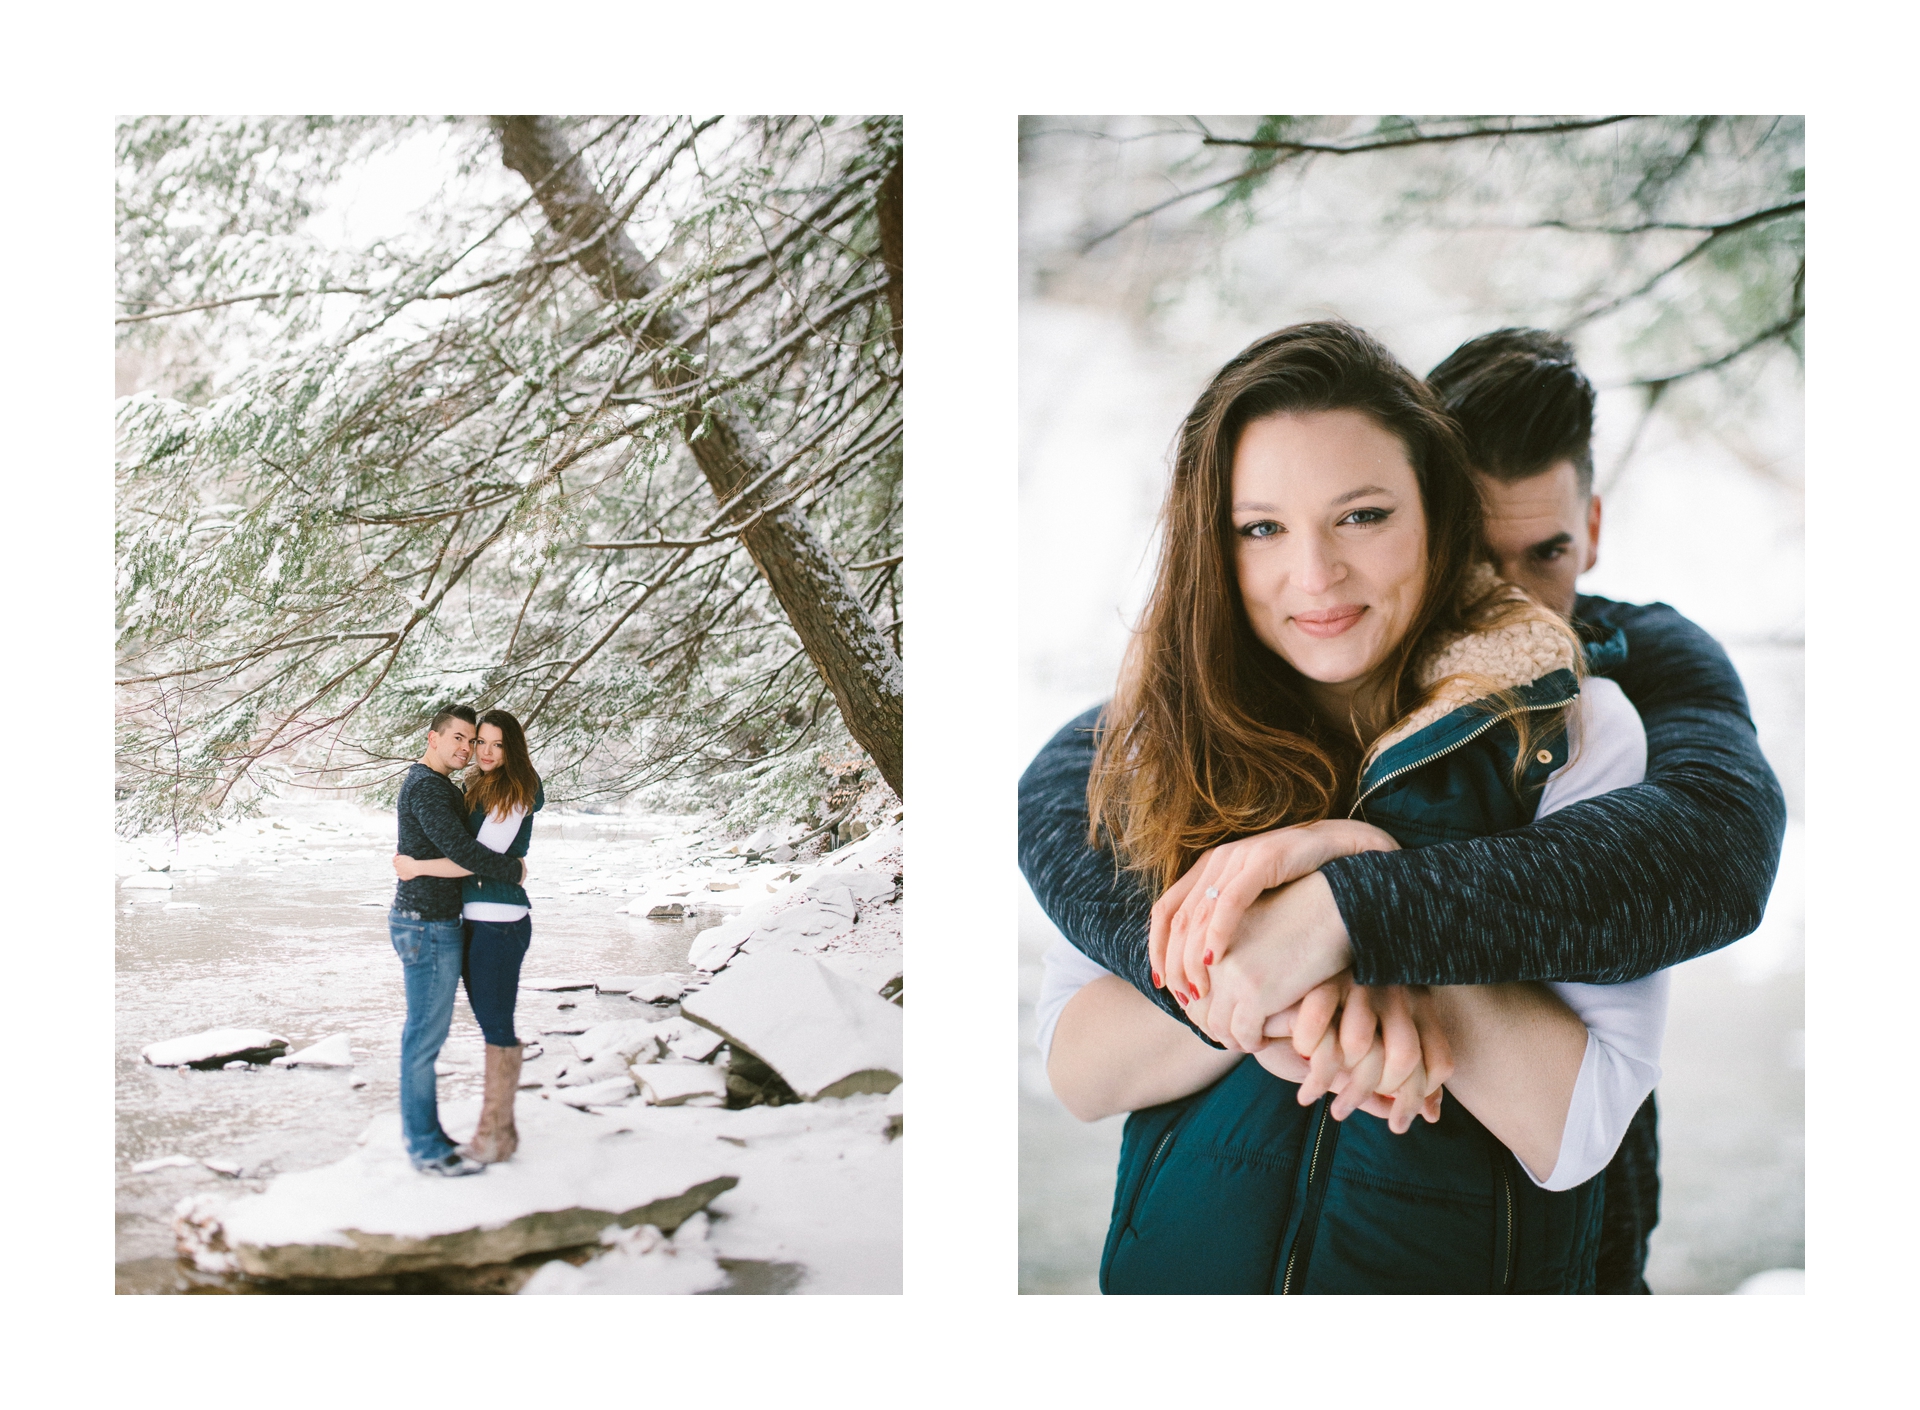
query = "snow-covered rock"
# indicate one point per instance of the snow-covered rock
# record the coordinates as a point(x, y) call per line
point(372, 1213)
point(867, 886)
point(820, 916)
point(335, 1051)
point(640, 1260)
point(646, 988)
point(713, 948)
point(148, 881)
point(164, 1162)
point(624, 1036)
point(654, 906)
point(1789, 1282)
point(823, 1033)
point(670, 1083)
point(606, 1093)
point(215, 1048)
point(689, 1041)
point(820, 1186)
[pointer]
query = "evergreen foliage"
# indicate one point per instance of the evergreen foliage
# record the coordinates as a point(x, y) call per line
point(364, 472)
point(1678, 240)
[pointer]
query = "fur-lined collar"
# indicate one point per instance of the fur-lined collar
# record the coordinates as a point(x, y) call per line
point(1472, 665)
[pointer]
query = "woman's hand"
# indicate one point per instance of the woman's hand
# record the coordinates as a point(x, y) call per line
point(1354, 1087)
point(405, 867)
point(1194, 922)
point(1388, 1055)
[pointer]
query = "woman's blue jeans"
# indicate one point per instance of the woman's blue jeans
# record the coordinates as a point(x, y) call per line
point(494, 951)
point(431, 953)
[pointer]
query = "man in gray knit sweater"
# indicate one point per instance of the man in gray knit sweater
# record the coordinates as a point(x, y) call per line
point(427, 931)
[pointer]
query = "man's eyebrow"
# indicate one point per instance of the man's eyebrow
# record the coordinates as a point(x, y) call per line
point(1559, 540)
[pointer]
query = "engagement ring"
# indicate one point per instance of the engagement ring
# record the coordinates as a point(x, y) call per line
point(1213, 893)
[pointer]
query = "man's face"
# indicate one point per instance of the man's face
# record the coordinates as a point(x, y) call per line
point(450, 748)
point(1543, 532)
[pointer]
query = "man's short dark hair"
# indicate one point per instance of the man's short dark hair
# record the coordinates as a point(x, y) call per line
point(453, 712)
point(1522, 403)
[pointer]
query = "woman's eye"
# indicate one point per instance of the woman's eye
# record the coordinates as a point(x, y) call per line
point(1259, 529)
point(1367, 516)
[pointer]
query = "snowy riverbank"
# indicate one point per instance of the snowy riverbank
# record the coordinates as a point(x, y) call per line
point(278, 925)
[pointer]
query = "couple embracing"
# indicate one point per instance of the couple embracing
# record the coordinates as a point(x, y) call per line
point(460, 915)
point(1373, 866)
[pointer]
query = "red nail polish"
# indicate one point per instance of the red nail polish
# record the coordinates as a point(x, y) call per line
point(1156, 979)
point(1207, 958)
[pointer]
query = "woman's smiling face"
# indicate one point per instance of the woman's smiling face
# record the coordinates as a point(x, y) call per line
point(1330, 544)
point(490, 750)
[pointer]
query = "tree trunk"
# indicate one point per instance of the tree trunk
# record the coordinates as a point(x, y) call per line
point(846, 646)
point(889, 210)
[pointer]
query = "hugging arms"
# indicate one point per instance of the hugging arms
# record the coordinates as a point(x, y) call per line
point(1607, 890)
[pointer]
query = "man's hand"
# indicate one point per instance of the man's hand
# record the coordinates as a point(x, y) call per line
point(1194, 924)
point(1381, 1034)
point(1289, 941)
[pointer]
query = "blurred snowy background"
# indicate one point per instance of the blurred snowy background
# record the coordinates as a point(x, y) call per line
point(1670, 251)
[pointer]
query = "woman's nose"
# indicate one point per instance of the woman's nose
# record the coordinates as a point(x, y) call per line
point(1318, 567)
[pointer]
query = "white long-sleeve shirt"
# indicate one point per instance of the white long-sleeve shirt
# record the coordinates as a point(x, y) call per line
point(497, 834)
point(1626, 1023)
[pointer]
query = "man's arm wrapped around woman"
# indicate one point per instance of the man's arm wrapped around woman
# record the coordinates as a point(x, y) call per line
point(1607, 890)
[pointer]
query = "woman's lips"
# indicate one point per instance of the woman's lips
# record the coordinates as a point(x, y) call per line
point(1330, 621)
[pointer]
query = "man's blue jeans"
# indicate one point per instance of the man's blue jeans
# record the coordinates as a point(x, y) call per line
point(430, 953)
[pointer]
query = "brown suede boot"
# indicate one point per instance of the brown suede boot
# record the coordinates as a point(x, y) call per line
point(495, 1138)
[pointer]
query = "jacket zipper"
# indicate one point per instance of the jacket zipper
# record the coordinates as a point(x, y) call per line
point(1159, 1149)
point(1506, 1201)
point(1460, 743)
point(1307, 1211)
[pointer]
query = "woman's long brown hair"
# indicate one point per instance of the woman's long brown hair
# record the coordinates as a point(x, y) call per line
point(1210, 734)
point(514, 785)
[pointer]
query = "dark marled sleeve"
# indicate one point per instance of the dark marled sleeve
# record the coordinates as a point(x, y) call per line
point(1609, 889)
point(439, 813)
point(1098, 907)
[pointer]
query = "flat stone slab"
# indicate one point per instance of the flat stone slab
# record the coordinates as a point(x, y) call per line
point(645, 988)
point(148, 881)
point(608, 1092)
point(826, 1035)
point(216, 1048)
point(625, 1036)
point(716, 946)
point(671, 1083)
point(372, 1213)
point(335, 1051)
point(556, 986)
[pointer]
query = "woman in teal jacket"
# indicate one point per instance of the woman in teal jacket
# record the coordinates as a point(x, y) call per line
point(503, 794)
point(1325, 641)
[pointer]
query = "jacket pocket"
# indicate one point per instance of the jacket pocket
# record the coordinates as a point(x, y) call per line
point(1206, 1189)
point(1416, 1213)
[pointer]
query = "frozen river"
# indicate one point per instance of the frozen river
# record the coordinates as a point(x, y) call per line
point(281, 924)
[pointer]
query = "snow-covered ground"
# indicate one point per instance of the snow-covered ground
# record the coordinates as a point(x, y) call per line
point(279, 924)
